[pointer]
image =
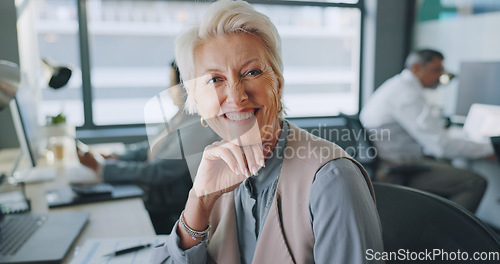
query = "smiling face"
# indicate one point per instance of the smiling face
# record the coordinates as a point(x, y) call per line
point(236, 90)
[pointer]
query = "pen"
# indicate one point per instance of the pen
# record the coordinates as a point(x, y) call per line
point(127, 250)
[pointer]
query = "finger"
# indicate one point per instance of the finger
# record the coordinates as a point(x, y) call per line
point(259, 154)
point(238, 155)
point(213, 152)
point(228, 157)
point(251, 161)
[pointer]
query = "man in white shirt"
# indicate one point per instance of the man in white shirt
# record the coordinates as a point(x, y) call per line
point(407, 130)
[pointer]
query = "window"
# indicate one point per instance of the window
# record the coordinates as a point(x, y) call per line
point(131, 44)
point(56, 23)
point(320, 49)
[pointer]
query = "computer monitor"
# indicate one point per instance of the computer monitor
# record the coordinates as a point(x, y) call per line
point(479, 82)
point(346, 133)
point(23, 109)
point(26, 130)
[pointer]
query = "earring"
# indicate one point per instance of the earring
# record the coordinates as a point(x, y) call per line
point(203, 122)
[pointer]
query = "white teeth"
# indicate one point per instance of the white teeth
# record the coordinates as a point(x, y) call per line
point(239, 116)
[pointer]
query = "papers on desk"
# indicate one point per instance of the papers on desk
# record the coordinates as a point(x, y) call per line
point(482, 122)
point(93, 251)
point(38, 174)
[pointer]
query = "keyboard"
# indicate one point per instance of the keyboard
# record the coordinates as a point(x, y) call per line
point(16, 230)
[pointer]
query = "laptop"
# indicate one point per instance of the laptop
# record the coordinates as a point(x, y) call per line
point(91, 193)
point(39, 238)
point(482, 122)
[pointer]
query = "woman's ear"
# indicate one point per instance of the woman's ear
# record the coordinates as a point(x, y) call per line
point(280, 88)
point(190, 88)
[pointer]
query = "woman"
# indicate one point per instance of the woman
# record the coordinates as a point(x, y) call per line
point(268, 192)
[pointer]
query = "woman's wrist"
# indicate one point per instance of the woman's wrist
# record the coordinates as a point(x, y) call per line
point(198, 208)
point(196, 235)
point(195, 220)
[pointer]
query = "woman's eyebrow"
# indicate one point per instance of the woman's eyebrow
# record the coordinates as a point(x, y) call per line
point(251, 61)
point(246, 63)
point(211, 71)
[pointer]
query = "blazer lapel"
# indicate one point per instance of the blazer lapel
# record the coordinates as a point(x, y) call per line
point(272, 246)
point(223, 244)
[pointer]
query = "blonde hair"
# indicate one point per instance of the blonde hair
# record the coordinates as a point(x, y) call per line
point(225, 18)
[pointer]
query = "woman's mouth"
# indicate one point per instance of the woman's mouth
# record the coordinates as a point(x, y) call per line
point(239, 116)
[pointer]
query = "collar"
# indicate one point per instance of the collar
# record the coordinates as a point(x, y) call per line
point(411, 77)
point(266, 174)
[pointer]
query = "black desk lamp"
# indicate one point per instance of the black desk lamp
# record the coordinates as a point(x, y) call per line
point(57, 76)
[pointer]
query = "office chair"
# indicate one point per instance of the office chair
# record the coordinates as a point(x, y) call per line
point(366, 153)
point(361, 149)
point(416, 221)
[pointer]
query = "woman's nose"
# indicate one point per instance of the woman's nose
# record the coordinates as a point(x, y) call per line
point(235, 93)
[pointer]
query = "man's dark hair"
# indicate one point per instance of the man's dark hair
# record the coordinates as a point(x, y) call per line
point(177, 73)
point(422, 56)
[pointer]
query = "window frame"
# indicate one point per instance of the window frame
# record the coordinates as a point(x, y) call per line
point(131, 132)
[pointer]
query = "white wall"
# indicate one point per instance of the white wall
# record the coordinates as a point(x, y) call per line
point(8, 51)
point(462, 39)
point(18, 44)
point(29, 59)
point(385, 42)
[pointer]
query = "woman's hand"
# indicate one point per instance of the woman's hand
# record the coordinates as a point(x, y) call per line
point(224, 166)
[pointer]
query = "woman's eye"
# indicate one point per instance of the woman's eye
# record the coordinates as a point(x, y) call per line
point(213, 80)
point(253, 72)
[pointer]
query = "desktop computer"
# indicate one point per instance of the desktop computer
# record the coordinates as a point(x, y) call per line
point(24, 234)
point(30, 137)
point(29, 140)
point(478, 84)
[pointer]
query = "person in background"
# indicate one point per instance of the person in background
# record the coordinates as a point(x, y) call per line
point(268, 192)
point(166, 182)
point(416, 131)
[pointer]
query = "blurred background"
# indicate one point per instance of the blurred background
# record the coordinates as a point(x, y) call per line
point(335, 53)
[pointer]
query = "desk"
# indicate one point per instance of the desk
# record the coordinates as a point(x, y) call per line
point(489, 208)
point(119, 218)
